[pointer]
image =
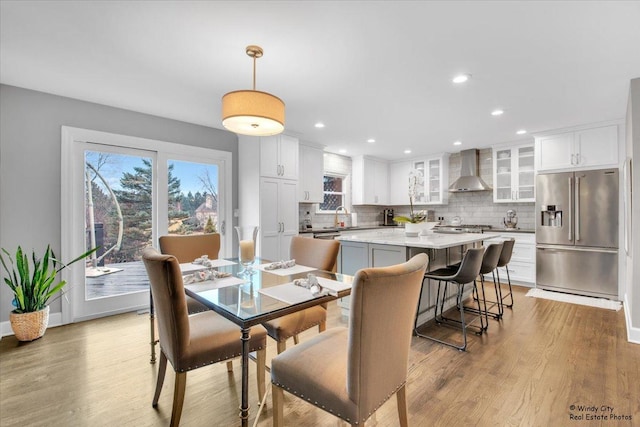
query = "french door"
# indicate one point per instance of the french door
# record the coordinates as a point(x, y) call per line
point(119, 195)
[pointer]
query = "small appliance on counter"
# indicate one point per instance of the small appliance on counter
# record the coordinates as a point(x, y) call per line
point(511, 221)
point(387, 217)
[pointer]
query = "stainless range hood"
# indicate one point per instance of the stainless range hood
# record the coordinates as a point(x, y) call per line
point(469, 179)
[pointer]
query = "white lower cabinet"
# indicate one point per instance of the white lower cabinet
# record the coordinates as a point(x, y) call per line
point(522, 267)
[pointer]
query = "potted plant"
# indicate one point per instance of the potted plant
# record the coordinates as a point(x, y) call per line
point(413, 222)
point(33, 285)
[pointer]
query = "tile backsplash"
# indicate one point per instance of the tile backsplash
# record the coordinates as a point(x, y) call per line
point(473, 207)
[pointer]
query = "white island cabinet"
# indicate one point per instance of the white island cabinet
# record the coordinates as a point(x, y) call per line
point(389, 247)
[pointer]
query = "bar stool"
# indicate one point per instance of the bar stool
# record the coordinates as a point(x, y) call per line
point(490, 260)
point(466, 273)
point(505, 258)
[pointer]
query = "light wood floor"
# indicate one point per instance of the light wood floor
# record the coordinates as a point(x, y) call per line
point(528, 370)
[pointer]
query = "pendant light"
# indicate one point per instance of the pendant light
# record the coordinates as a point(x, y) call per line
point(251, 112)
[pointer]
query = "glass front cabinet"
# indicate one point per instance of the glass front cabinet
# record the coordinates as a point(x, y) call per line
point(431, 185)
point(513, 173)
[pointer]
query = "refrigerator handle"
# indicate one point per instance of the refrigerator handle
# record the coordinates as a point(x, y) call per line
point(570, 209)
point(577, 197)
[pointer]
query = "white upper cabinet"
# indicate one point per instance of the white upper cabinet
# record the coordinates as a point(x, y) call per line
point(370, 184)
point(279, 156)
point(513, 173)
point(310, 184)
point(398, 183)
point(578, 149)
point(432, 188)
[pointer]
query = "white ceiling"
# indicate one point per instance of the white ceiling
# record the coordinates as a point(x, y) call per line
point(367, 69)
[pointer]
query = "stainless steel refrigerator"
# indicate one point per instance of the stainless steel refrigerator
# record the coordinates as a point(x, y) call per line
point(577, 232)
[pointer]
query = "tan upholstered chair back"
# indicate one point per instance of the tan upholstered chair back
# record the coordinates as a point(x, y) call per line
point(170, 304)
point(187, 248)
point(383, 307)
point(318, 253)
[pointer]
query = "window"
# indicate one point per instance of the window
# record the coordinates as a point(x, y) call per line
point(120, 193)
point(334, 193)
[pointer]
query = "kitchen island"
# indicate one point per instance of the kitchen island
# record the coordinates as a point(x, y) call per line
point(382, 248)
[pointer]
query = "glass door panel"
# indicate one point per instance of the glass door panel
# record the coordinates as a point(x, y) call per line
point(119, 220)
point(193, 198)
point(526, 172)
point(434, 181)
point(420, 174)
point(503, 182)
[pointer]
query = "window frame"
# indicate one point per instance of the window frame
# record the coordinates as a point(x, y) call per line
point(346, 195)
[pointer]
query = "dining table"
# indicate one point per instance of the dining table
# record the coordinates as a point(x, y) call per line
point(264, 293)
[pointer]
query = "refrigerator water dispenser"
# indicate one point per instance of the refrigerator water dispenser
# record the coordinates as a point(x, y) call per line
point(551, 217)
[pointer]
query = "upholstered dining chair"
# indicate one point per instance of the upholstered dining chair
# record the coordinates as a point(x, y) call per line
point(186, 249)
point(317, 253)
point(191, 341)
point(351, 372)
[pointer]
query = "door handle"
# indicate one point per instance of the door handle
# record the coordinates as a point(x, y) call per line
point(572, 159)
point(223, 227)
point(577, 197)
point(570, 208)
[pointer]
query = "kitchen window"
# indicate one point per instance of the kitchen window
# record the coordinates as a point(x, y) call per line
point(334, 192)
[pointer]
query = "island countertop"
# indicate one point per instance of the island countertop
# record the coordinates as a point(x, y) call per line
point(429, 241)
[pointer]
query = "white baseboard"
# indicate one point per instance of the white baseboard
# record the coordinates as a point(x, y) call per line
point(633, 334)
point(55, 319)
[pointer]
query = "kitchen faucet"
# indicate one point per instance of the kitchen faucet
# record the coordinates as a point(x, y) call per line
point(336, 223)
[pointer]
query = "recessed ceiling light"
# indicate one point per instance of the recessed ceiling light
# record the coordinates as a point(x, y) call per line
point(497, 112)
point(342, 151)
point(521, 132)
point(457, 143)
point(407, 151)
point(319, 125)
point(461, 78)
point(371, 140)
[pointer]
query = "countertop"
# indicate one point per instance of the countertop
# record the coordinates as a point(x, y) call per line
point(429, 241)
point(395, 227)
point(337, 229)
point(511, 230)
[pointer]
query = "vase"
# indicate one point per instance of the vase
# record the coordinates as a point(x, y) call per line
point(412, 229)
point(29, 326)
point(247, 235)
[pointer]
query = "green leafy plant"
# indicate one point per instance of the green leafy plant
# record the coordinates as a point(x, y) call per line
point(33, 284)
point(415, 178)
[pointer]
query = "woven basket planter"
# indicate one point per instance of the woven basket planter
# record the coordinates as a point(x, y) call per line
point(29, 326)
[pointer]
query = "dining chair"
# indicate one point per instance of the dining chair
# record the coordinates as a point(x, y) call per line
point(466, 272)
point(185, 249)
point(190, 341)
point(350, 372)
point(317, 253)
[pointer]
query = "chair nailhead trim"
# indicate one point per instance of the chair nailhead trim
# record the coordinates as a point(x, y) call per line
point(190, 368)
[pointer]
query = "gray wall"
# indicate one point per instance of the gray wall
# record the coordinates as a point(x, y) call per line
point(30, 150)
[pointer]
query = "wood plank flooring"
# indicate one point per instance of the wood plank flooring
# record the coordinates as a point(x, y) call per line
point(528, 370)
